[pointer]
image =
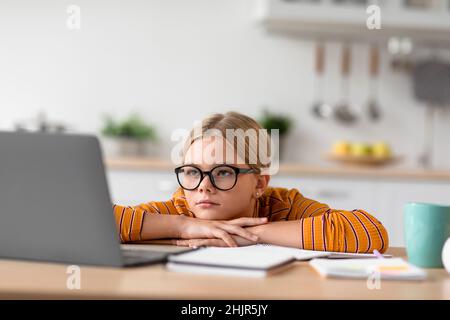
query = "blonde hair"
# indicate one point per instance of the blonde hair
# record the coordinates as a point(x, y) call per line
point(242, 125)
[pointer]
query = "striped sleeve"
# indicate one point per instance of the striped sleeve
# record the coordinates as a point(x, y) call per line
point(129, 219)
point(160, 207)
point(329, 229)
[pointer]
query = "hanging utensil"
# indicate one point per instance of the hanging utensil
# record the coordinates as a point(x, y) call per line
point(320, 109)
point(431, 83)
point(373, 108)
point(431, 80)
point(342, 112)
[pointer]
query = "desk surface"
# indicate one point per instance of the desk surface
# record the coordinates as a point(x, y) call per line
point(24, 280)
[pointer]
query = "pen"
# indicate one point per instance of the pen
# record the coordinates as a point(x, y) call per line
point(378, 254)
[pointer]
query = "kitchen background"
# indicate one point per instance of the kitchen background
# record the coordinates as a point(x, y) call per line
point(173, 62)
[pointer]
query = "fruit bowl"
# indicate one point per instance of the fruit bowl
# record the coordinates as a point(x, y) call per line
point(362, 153)
point(368, 160)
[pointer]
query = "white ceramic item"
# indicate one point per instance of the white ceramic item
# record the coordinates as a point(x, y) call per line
point(446, 255)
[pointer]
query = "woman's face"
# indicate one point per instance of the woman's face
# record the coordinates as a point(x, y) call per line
point(234, 203)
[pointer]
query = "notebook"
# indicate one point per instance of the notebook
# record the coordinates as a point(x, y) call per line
point(388, 269)
point(230, 261)
point(256, 260)
point(301, 254)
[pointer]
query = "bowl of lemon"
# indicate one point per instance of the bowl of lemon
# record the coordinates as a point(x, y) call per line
point(362, 153)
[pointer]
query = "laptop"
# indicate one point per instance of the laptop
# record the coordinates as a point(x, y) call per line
point(55, 204)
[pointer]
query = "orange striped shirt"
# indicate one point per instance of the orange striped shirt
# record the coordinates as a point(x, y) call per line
point(322, 228)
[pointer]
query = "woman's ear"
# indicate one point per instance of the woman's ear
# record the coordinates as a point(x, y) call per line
point(261, 185)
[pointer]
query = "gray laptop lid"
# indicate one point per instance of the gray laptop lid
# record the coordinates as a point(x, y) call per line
point(54, 200)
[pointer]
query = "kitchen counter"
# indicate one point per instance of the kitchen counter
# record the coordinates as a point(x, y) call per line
point(299, 169)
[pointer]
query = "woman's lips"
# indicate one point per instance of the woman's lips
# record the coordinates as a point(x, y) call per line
point(206, 204)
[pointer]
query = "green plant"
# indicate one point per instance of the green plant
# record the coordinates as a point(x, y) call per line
point(132, 127)
point(270, 120)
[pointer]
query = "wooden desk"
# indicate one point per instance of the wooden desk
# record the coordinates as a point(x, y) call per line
point(24, 280)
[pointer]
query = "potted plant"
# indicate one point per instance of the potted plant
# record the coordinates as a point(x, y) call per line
point(270, 120)
point(130, 135)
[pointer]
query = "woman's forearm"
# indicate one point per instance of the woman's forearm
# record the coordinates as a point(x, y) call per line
point(161, 226)
point(282, 233)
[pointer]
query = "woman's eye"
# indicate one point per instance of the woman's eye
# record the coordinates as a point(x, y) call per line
point(223, 173)
point(191, 173)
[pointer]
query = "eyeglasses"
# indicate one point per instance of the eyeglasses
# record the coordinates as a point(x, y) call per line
point(222, 177)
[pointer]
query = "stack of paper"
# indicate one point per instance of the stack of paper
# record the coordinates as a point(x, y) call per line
point(300, 254)
point(389, 269)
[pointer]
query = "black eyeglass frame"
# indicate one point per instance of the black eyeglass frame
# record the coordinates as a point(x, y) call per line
point(203, 174)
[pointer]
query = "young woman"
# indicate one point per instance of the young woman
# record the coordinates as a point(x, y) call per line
point(223, 202)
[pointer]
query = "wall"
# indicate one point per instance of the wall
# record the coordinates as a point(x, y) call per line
point(176, 61)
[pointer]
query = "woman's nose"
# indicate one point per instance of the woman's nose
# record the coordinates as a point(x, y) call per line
point(206, 185)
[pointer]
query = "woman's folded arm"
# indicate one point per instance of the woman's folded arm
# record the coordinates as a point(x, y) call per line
point(329, 229)
point(150, 220)
point(318, 227)
point(344, 231)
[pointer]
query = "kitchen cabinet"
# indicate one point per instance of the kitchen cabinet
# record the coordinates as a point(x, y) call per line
point(383, 197)
point(393, 195)
point(423, 21)
point(131, 187)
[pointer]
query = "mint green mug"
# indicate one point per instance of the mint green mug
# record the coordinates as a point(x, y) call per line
point(427, 226)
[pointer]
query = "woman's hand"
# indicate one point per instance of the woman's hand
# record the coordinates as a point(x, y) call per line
point(195, 243)
point(225, 231)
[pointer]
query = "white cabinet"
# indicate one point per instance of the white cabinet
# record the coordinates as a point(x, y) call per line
point(393, 195)
point(347, 19)
point(134, 187)
point(383, 198)
point(337, 193)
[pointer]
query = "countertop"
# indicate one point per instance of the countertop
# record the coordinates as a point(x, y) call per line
point(299, 169)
